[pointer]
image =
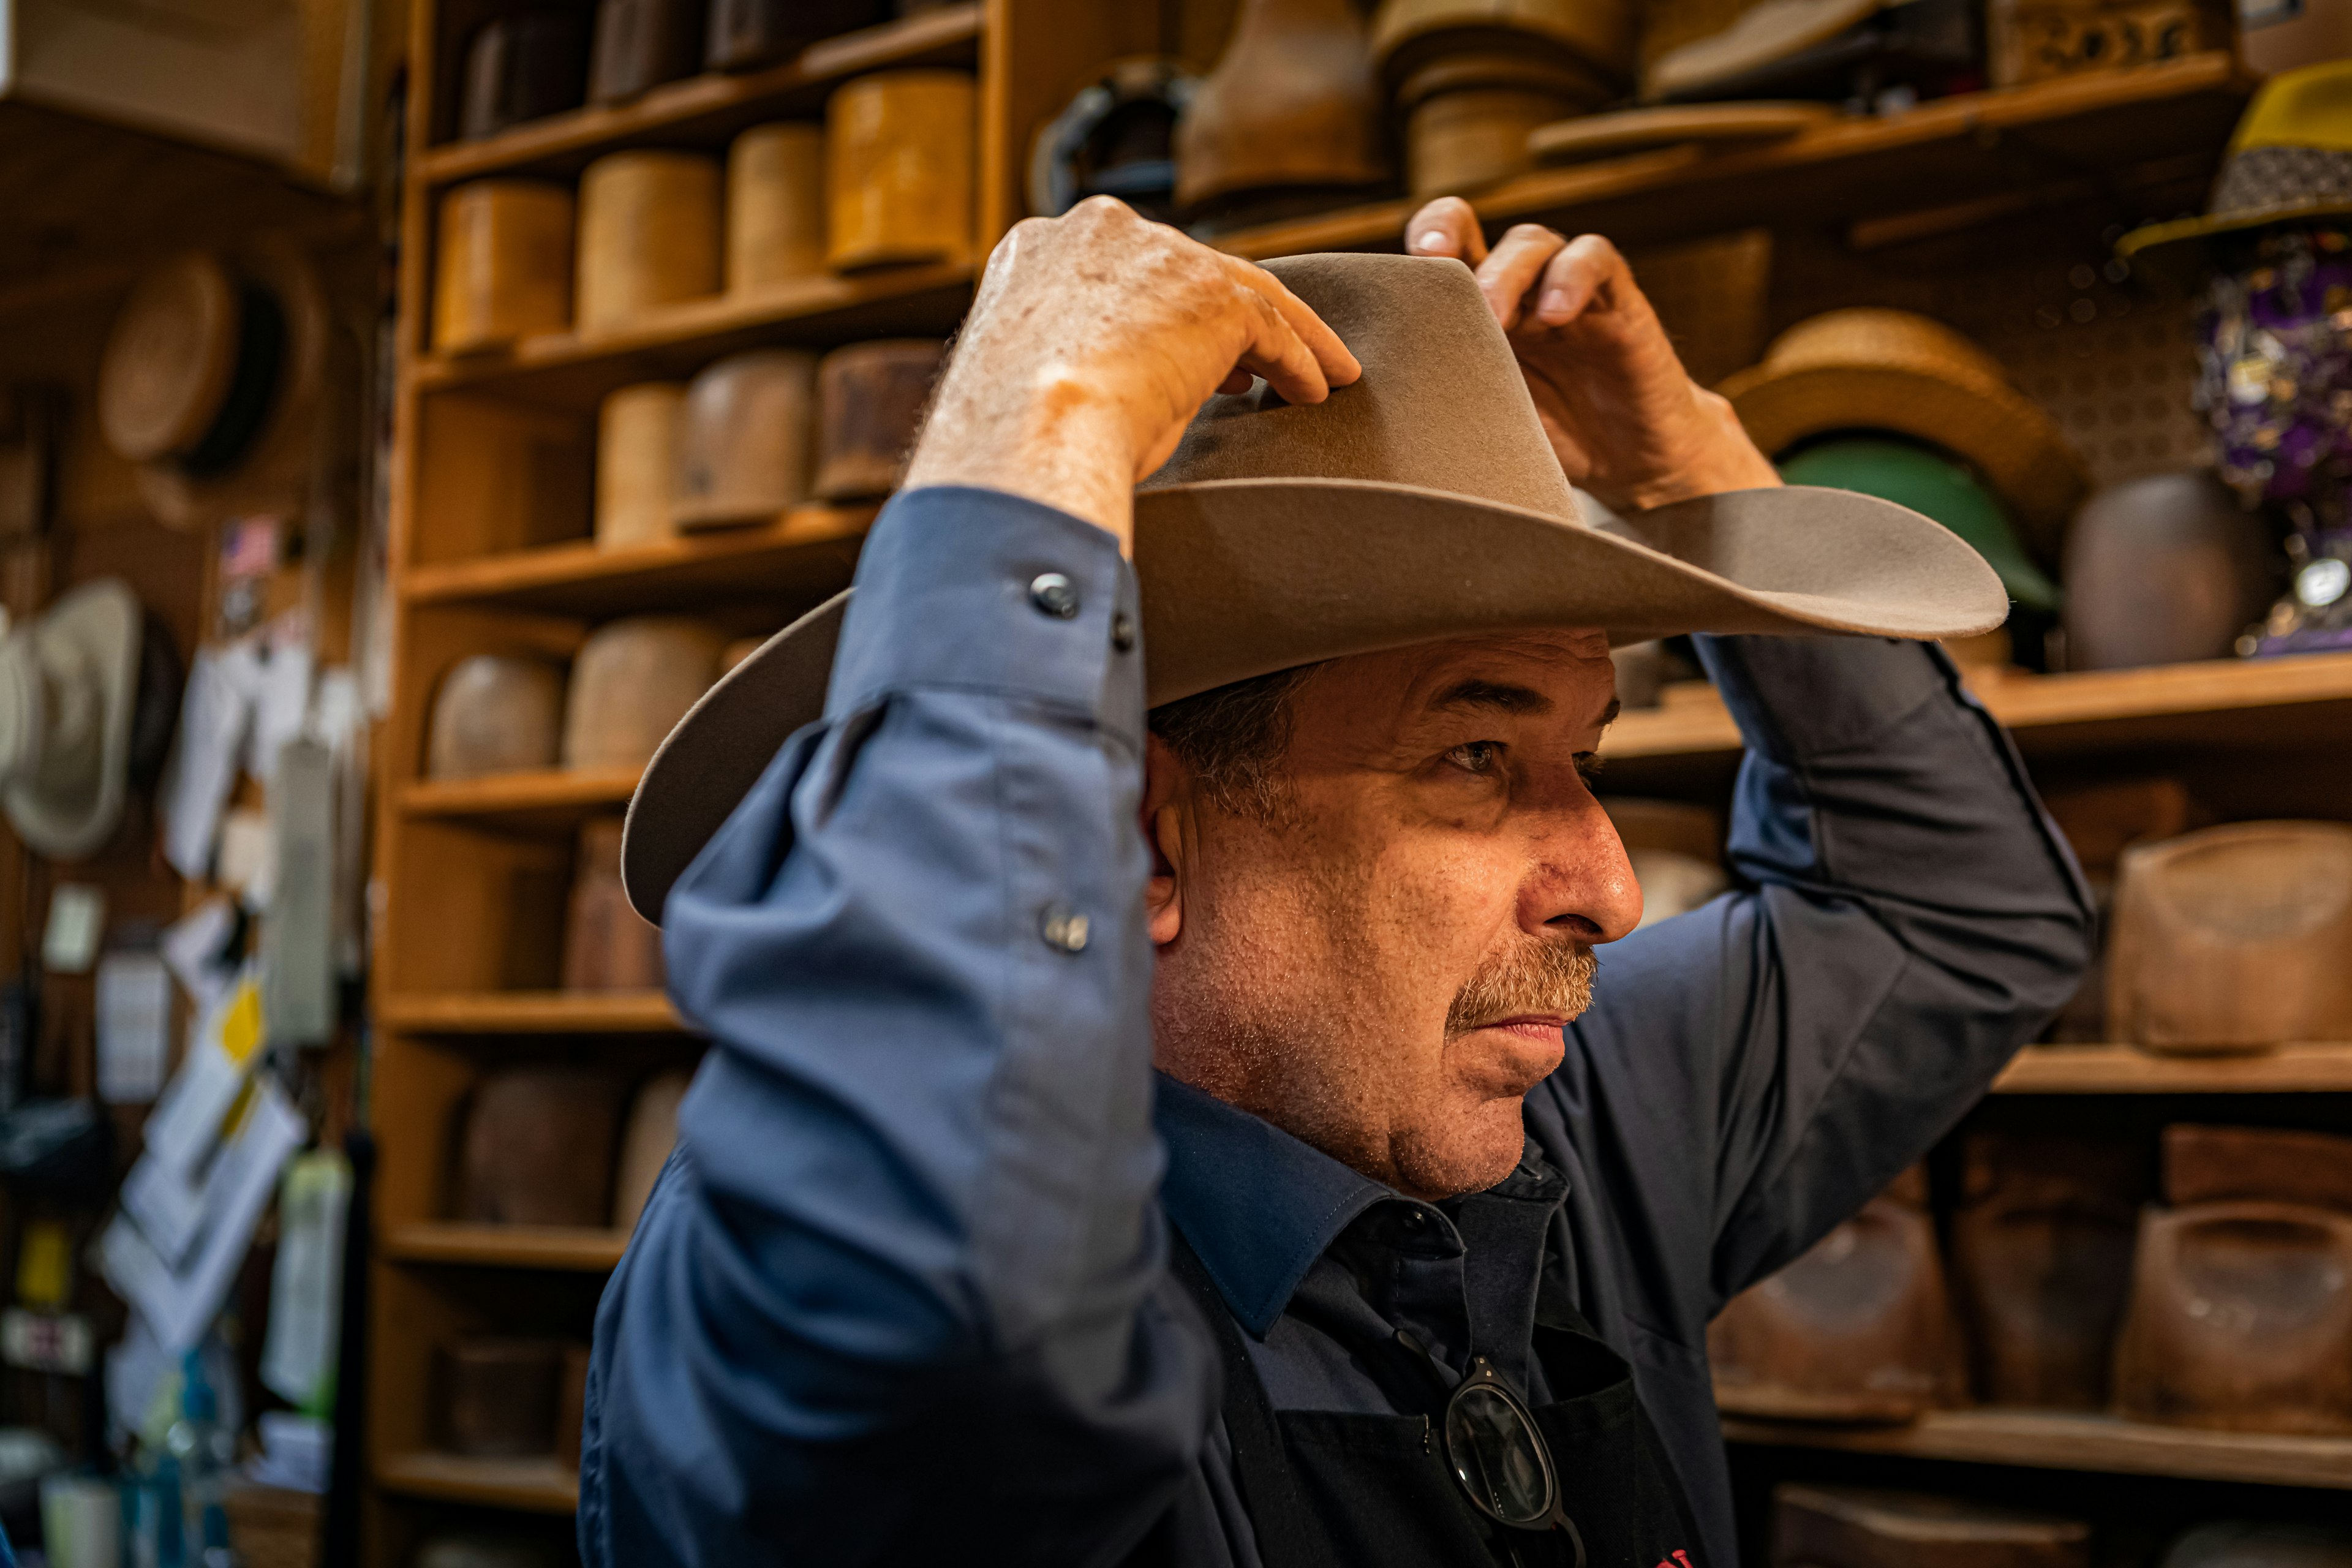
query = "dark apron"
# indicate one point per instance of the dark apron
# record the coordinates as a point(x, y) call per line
point(1324, 1489)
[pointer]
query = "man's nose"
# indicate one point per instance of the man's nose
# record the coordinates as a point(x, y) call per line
point(1581, 883)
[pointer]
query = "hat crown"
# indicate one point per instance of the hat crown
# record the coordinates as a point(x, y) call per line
point(1442, 405)
point(1870, 336)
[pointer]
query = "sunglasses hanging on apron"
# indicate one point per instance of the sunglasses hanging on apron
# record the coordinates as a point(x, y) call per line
point(1477, 1476)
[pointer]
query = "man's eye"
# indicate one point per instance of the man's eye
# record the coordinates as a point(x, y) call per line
point(1478, 756)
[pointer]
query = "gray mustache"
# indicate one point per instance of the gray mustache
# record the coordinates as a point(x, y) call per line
point(1540, 977)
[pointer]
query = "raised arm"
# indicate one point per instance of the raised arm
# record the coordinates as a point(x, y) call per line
point(894, 1293)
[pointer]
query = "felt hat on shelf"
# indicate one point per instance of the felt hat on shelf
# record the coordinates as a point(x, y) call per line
point(210, 378)
point(1422, 503)
point(68, 692)
point(2289, 160)
point(1890, 371)
point(1806, 49)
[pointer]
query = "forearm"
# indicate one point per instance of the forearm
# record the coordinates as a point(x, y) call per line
point(1919, 920)
point(917, 1169)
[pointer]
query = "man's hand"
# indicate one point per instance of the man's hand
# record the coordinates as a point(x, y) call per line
point(1624, 418)
point(1094, 339)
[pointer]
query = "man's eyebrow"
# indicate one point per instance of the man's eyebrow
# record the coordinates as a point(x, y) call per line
point(1494, 695)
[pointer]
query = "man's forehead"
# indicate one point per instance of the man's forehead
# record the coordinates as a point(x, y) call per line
point(1533, 671)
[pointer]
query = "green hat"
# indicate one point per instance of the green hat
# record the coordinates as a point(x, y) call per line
point(1927, 481)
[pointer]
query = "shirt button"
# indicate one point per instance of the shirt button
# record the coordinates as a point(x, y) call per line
point(1415, 1222)
point(1054, 595)
point(1122, 632)
point(1064, 929)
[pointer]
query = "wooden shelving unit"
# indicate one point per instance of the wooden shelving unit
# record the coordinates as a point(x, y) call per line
point(2123, 124)
point(468, 864)
point(2064, 1440)
point(530, 1485)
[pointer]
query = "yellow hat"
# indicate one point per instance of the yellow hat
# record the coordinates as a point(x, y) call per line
point(2290, 158)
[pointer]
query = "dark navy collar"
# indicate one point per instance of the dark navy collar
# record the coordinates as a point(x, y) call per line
point(1257, 1205)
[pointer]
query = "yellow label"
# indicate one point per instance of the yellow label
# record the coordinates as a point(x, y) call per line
point(241, 1029)
point(43, 1265)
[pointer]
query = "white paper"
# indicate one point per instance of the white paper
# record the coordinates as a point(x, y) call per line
point(222, 1045)
point(135, 1369)
point(214, 713)
point(134, 1021)
point(297, 1452)
point(298, 1357)
point(194, 948)
point(76, 923)
point(281, 705)
point(247, 867)
point(181, 1302)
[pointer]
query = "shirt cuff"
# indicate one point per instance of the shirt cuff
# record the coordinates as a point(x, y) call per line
point(979, 590)
point(1802, 697)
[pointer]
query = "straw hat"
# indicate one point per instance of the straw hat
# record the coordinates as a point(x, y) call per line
point(1422, 503)
point(2290, 158)
point(68, 687)
point(1890, 370)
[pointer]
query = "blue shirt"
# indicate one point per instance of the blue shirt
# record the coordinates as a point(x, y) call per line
point(901, 1293)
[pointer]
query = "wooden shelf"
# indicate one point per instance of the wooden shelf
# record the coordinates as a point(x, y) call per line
point(2069, 1440)
point(2238, 702)
point(529, 1013)
point(539, 1485)
point(506, 1246)
point(542, 800)
point(573, 371)
point(2321, 1067)
point(705, 111)
point(798, 560)
point(2170, 116)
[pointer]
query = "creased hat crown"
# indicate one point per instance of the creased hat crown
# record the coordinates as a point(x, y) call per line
point(1442, 405)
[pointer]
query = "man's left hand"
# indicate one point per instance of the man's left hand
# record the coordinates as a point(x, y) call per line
point(1624, 418)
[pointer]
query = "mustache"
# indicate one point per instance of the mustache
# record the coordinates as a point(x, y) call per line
point(1542, 977)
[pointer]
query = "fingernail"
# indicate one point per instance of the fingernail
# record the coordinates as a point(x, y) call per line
point(1555, 303)
point(1434, 240)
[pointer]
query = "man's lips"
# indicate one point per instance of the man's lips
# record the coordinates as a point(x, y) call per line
point(1545, 1028)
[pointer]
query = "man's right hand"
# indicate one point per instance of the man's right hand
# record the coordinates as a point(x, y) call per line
point(1094, 339)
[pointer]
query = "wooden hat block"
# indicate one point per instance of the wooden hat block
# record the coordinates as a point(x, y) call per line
point(1469, 118)
point(648, 236)
point(637, 463)
point(537, 1147)
point(495, 713)
point(632, 681)
point(899, 169)
point(2240, 1320)
point(498, 1396)
point(775, 205)
point(1290, 116)
point(1858, 1329)
point(870, 403)
point(2163, 569)
point(504, 268)
point(641, 44)
point(520, 67)
point(2042, 1263)
point(607, 945)
point(1860, 1527)
point(1594, 36)
point(745, 434)
point(2100, 821)
point(2234, 938)
point(646, 1143)
point(747, 33)
point(2206, 1165)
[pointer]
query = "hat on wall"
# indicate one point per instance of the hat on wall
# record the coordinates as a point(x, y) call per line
point(2290, 158)
point(69, 687)
point(210, 370)
point(1422, 503)
point(1892, 370)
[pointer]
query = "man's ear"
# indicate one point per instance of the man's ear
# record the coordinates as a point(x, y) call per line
point(1166, 788)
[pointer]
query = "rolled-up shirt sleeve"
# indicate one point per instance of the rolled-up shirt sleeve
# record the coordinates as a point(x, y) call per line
point(894, 1293)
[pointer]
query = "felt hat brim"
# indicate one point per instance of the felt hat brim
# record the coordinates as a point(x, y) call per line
point(1244, 577)
point(2175, 249)
point(95, 629)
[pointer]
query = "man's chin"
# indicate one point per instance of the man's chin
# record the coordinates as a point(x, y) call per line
point(1503, 1061)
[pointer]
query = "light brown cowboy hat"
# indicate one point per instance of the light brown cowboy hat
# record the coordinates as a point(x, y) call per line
point(1889, 370)
point(1422, 503)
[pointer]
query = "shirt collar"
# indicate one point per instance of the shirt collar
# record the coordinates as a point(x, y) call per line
point(1257, 1205)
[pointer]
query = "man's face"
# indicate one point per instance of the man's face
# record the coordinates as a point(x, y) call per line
point(1384, 967)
